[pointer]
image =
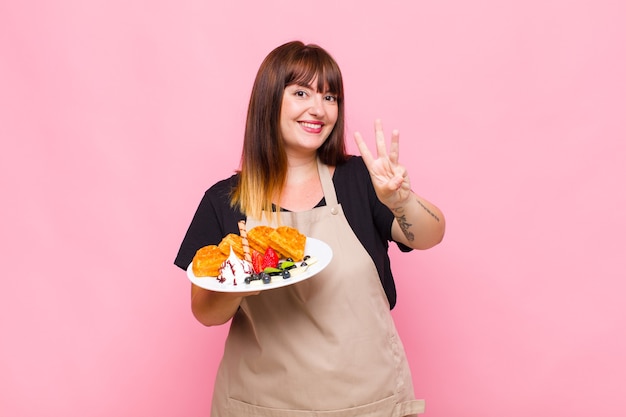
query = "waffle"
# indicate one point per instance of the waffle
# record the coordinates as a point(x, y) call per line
point(234, 241)
point(288, 242)
point(259, 238)
point(207, 261)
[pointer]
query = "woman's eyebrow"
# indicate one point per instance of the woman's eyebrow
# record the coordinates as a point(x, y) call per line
point(303, 84)
point(310, 86)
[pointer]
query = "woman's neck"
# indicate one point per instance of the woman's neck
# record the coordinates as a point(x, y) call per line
point(301, 169)
point(303, 188)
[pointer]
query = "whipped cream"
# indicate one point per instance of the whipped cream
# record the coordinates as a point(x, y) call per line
point(234, 270)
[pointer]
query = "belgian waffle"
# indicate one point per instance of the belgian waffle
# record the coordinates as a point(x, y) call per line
point(259, 238)
point(288, 242)
point(207, 261)
point(234, 241)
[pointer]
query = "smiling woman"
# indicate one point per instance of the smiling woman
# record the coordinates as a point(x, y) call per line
point(295, 171)
point(307, 117)
point(112, 119)
point(288, 85)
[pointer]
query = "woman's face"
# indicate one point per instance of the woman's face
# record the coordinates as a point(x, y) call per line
point(307, 117)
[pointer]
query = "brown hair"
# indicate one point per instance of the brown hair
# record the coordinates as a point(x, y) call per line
point(263, 158)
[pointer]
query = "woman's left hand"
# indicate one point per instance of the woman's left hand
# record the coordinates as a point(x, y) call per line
point(390, 179)
point(418, 223)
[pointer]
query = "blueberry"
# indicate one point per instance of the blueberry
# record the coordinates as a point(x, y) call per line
point(286, 274)
point(266, 278)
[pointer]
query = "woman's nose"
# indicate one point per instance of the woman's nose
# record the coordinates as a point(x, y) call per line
point(317, 105)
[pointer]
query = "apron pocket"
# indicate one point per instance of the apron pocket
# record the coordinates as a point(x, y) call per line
point(381, 408)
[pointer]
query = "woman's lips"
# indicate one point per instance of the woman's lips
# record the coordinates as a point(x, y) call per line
point(312, 127)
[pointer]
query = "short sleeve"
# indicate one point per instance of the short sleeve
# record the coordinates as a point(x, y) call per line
point(214, 218)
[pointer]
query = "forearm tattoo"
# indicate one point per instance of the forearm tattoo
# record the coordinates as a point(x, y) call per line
point(405, 225)
point(427, 210)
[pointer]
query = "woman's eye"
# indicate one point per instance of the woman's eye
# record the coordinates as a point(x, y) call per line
point(330, 98)
point(300, 93)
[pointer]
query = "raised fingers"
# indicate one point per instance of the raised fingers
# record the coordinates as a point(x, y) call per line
point(381, 146)
point(390, 153)
point(394, 147)
point(363, 149)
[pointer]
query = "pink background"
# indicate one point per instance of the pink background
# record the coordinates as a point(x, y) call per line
point(116, 115)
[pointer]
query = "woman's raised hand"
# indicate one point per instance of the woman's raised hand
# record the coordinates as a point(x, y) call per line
point(390, 179)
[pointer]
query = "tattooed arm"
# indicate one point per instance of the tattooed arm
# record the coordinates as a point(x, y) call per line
point(418, 223)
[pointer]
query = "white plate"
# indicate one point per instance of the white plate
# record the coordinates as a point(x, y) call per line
point(313, 247)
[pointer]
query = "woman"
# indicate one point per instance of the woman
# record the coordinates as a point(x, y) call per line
point(327, 343)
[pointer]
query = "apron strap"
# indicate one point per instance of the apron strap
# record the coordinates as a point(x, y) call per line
point(327, 184)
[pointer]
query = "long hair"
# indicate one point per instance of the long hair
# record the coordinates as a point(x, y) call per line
point(263, 158)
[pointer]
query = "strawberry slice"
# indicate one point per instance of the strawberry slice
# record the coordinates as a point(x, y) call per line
point(257, 261)
point(270, 259)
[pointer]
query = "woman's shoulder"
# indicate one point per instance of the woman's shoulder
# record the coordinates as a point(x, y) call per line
point(352, 173)
point(223, 187)
point(352, 183)
point(218, 196)
point(352, 162)
point(354, 165)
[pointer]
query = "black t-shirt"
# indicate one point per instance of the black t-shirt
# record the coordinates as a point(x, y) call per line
point(368, 217)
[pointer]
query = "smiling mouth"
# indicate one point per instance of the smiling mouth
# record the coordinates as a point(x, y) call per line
point(312, 127)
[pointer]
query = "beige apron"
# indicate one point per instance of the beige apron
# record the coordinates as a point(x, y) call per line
point(326, 346)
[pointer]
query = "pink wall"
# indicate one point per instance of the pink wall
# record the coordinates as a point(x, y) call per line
point(116, 115)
